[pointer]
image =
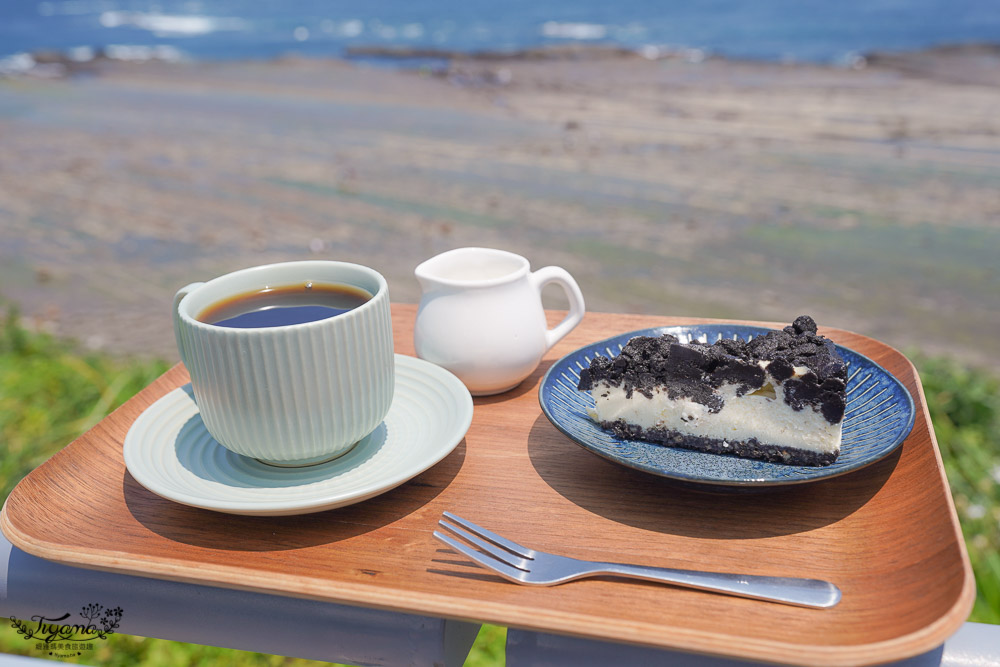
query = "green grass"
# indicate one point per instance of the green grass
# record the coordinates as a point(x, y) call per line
point(965, 408)
point(50, 392)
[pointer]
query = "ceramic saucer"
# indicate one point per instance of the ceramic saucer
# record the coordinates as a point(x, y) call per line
point(169, 452)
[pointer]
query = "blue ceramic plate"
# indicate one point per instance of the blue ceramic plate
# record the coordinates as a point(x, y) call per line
point(879, 417)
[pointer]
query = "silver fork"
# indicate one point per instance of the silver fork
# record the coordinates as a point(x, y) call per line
point(538, 568)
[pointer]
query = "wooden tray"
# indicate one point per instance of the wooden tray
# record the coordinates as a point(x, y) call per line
point(887, 534)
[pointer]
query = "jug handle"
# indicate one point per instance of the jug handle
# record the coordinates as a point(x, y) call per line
point(555, 274)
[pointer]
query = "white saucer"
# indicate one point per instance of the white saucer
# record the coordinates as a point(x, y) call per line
point(169, 452)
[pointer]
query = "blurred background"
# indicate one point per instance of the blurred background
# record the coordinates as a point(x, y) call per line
point(714, 158)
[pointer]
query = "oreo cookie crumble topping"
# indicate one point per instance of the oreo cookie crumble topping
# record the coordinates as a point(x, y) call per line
point(695, 370)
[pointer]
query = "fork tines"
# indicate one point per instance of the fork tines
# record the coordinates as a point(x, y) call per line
point(492, 551)
point(481, 532)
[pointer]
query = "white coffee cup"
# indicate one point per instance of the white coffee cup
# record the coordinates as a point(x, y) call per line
point(297, 394)
point(481, 316)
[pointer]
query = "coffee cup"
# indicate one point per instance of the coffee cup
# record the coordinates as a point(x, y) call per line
point(309, 377)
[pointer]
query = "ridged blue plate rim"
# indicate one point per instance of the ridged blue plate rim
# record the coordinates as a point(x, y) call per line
point(880, 415)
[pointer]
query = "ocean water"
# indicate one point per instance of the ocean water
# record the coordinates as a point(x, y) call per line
point(803, 30)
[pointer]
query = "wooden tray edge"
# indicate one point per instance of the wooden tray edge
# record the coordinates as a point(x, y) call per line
point(917, 643)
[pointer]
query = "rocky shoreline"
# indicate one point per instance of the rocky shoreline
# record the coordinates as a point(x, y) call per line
point(88, 60)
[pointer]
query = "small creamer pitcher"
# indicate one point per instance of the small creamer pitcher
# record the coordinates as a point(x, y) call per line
point(481, 316)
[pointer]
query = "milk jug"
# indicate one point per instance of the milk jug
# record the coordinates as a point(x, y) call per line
point(481, 316)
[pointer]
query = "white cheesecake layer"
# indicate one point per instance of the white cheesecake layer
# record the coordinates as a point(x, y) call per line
point(763, 415)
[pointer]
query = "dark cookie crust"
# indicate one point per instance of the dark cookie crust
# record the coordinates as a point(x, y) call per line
point(748, 449)
point(695, 370)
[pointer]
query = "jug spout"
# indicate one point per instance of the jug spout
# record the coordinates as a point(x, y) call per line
point(425, 280)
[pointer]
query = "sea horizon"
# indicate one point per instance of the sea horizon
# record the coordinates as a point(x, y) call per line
point(223, 30)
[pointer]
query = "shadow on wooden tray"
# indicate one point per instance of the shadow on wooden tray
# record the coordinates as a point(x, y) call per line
point(216, 530)
point(712, 512)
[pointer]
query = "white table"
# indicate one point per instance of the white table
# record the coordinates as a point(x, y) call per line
point(294, 627)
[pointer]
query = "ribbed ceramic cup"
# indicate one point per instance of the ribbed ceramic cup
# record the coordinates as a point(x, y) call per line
point(289, 395)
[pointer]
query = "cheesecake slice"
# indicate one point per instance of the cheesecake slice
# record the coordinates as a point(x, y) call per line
point(779, 397)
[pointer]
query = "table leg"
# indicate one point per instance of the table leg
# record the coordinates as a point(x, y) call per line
point(277, 625)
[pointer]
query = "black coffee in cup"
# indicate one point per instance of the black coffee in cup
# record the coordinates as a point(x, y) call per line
point(284, 305)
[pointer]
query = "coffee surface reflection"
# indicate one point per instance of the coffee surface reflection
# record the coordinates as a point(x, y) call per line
point(284, 305)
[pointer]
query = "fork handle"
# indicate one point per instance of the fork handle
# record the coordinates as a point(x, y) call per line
point(787, 590)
